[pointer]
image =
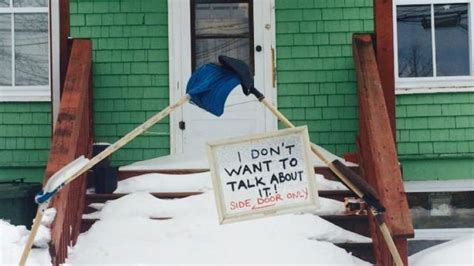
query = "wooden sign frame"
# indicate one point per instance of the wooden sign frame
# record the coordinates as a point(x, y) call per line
point(310, 205)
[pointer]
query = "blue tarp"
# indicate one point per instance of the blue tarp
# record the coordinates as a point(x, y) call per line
point(209, 87)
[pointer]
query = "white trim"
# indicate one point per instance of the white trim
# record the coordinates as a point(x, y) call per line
point(25, 94)
point(15, 93)
point(179, 32)
point(402, 91)
point(433, 42)
point(431, 82)
point(434, 84)
point(439, 185)
point(12, 25)
point(428, 2)
point(179, 52)
point(8, 10)
point(264, 16)
point(55, 63)
point(441, 233)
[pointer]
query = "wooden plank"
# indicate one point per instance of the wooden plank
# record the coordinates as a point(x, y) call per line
point(377, 150)
point(383, 16)
point(122, 175)
point(63, 40)
point(71, 138)
point(336, 194)
point(354, 223)
point(363, 251)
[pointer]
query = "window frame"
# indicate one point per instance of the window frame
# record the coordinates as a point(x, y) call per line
point(31, 93)
point(409, 85)
point(250, 36)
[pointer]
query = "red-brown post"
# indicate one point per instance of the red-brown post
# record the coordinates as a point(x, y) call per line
point(384, 52)
point(63, 39)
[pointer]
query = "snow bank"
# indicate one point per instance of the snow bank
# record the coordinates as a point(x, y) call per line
point(174, 162)
point(166, 183)
point(13, 239)
point(126, 234)
point(191, 183)
point(454, 252)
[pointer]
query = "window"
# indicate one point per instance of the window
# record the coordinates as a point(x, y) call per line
point(221, 27)
point(24, 50)
point(433, 46)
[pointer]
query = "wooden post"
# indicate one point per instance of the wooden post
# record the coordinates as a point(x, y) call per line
point(384, 53)
point(377, 151)
point(63, 39)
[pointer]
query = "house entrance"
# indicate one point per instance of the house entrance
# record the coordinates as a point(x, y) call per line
point(200, 31)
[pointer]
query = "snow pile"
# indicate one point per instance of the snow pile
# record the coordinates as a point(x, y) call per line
point(192, 183)
point(126, 234)
point(178, 162)
point(454, 252)
point(13, 239)
point(166, 183)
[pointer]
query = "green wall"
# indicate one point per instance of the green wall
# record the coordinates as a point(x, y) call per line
point(130, 65)
point(435, 135)
point(316, 83)
point(316, 79)
point(25, 132)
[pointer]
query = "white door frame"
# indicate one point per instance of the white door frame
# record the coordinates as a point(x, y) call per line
point(55, 58)
point(179, 34)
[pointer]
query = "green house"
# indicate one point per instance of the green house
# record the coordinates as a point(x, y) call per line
point(300, 52)
point(419, 64)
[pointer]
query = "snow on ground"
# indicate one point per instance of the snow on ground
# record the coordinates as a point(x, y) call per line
point(192, 183)
point(173, 162)
point(126, 234)
point(455, 252)
point(166, 183)
point(13, 239)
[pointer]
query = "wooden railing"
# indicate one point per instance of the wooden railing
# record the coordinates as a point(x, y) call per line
point(72, 137)
point(377, 152)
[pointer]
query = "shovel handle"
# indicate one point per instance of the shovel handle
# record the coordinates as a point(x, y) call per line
point(130, 136)
point(99, 157)
point(34, 230)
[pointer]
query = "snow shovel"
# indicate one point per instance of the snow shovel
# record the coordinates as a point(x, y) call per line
point(208, 88)
point(351, 179)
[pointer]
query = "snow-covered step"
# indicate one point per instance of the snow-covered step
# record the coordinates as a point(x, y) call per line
point(102, 198)
point(363, 251)
point(125, 173)
point(355, 223)
point(86, 223)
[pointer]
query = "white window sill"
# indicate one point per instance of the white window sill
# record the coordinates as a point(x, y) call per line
point(434, 85)
point(25, 94)
point(402, 91)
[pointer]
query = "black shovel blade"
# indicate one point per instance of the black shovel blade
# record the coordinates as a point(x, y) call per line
point(242, 70)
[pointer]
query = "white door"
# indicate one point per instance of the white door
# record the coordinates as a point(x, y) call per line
point(199, 31)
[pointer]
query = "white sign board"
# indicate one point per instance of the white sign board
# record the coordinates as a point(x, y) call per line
point(261, 175)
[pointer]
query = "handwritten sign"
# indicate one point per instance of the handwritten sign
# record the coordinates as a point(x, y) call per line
point(262, 175)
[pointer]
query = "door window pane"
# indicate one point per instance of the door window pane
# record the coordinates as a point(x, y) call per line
point(4, 3)
point(452, 40)
point(30, 3)
point(414, 41)
point(207, 50)
point(222, 18)
point(31, 49)
point(5, 50)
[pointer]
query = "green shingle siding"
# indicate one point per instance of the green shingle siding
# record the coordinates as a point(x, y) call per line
point(25, 132)
point(130, 65)
point(316, 81)
point(443, 123)
point(435, 135)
